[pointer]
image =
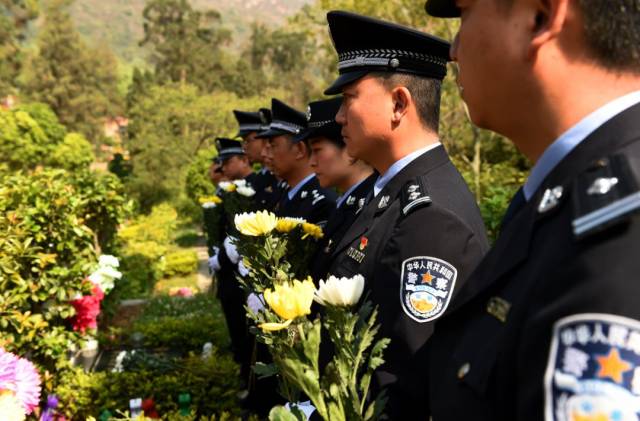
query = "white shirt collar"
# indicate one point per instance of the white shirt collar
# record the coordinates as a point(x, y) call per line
point(294, 190)
point(568, 141)
point(398, 166)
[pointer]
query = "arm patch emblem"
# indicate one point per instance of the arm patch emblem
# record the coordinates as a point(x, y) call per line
point(426, 286)
point(593, 371)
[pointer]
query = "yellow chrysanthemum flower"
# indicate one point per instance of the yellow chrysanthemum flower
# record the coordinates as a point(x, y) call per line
point(286, 224)
point(272, 327)
point(227, 186)
point(312, 230)
point(291, 300)
point(255, 223)
point(210, 199)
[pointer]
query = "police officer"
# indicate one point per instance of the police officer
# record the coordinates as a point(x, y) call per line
point(265, 183)
point(235, 165)
point(548, 326)
point(421, 234)
point(335, 168)
point(290, 159)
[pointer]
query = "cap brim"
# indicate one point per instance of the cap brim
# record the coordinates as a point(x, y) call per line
point(344, 80)
point(271, 133)
point(303, 135)
point(225, 156)
point(442, 8)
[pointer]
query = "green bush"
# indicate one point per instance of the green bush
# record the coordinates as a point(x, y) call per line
point(212, 382)
point(47, 249)
point(157, 226)
point(180, 262)
point(144, 243)
point(182, 323)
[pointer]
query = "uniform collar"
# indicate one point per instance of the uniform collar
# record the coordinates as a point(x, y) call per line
point(562, 146)
point(346, 194)
point(294, 190)
point(398, 166)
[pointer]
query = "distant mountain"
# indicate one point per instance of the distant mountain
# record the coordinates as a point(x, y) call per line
point(118, 23)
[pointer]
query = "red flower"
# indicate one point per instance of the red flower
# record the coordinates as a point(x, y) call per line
point(87, 310)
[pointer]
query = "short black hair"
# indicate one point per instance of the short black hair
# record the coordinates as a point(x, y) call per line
point(612, 32)
point(425, 92)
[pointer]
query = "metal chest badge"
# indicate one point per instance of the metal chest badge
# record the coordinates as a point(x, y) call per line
point(426, 287)
point(593, 372)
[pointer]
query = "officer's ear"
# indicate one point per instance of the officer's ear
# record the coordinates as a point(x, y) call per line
point(401, 98)
point(302, 150)
point(547, 20)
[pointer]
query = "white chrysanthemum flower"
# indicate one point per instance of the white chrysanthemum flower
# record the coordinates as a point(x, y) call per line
point(240, 182)
point(246, 191)
point(208, 205)
point(108, 260)
point(342, 292)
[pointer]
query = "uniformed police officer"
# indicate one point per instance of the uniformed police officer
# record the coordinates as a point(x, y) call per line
point(421, 234)
point(290, 159)
point(235, 166)
point(548, 327)
point(265, 183)
point(335, 168)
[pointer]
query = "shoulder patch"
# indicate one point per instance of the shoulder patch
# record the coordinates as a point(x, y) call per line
point(593, 372)
point(414, 195)
point(604, 195)
point(426, 286)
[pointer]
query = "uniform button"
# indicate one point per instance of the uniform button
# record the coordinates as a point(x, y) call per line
point(464, 370)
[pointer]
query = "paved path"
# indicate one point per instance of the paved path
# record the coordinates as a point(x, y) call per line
point(204, 278)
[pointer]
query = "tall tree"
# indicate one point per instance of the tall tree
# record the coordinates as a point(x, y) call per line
point(14, 18)
point(78, 82)
point(185, 43)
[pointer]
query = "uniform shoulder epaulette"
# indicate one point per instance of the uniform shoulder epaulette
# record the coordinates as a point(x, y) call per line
point(414, 195)
point(605, 195)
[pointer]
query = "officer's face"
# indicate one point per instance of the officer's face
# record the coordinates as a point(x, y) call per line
point(215, 173)
point(267, 155)
point(365, 117)
point(490, 51)
point(235, 167)
point(284, 154)
point(253, 147)
point(331, 163)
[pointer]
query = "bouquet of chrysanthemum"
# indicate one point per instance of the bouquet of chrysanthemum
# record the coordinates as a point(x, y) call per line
point(274, 249)
point(237, 198)
point(19, 387)
point(338, 391)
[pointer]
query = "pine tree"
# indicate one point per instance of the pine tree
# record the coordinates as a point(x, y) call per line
point(15, 15)
point(78, 82)
point(185, 43)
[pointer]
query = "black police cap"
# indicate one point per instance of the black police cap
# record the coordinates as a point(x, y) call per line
point(367, 45)
point(248, 122)
point(228, 148)
point(284, 120)
point(442, 8)
point(321, 120)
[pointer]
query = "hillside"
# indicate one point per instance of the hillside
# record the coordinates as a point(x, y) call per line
point(118, 23)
